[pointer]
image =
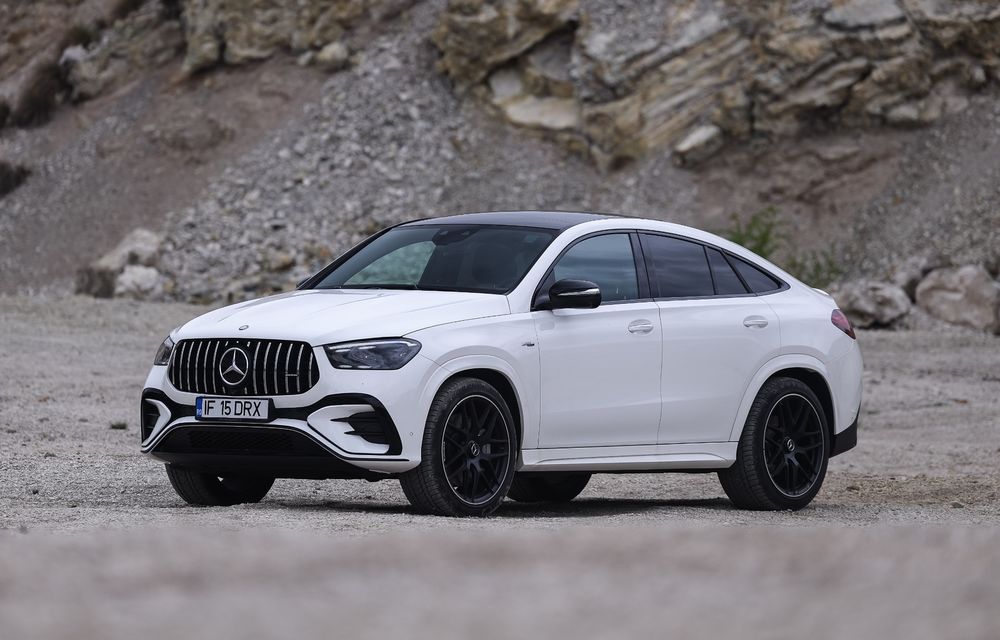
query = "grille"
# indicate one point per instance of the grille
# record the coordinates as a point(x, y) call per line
point(272, 367)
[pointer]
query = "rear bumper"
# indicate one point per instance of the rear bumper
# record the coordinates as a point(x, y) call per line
point(846, 439)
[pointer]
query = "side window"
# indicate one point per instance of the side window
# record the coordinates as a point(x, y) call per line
point(727, 283)
point(757, 280)
point(677, 268)
point(606, 260)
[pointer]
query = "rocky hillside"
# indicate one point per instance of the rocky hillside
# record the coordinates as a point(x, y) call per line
point(258, 138)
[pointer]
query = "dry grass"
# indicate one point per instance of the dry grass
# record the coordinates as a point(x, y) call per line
point(123, 8)
point(39, 97)
point(76, 35)
point(11, 177)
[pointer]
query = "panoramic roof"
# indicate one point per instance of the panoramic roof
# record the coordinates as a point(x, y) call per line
point(558, 220)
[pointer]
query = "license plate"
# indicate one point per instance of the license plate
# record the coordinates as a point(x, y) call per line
point(231, 408)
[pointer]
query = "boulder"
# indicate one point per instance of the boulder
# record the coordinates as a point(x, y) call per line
point(140, 248)
point(476, 36)
point(333, 57)
point(967, 295)
point(872, 304)
point(702, 143)
point(139, 282)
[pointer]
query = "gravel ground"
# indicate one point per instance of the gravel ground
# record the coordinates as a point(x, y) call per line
point(901, 542)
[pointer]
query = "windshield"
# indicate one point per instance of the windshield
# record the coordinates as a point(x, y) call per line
point(480, 259)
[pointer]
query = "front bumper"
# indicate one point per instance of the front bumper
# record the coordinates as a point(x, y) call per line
point(350, 424)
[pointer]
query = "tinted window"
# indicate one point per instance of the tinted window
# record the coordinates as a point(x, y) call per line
point(727, 283)
point(605, 260)
point(757, 280)
point(677, 268)
point(453, 257)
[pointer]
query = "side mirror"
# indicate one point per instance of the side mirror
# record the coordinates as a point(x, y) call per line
point(574, 294)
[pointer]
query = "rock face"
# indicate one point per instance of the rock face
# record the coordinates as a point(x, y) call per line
point(626, 78)
point(966, 295)
point(872, 304)
point(240, 31)
point(136, 255)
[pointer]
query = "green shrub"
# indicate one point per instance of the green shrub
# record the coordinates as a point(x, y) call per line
point(11, 177)
point(816, 268)
point(763, 234)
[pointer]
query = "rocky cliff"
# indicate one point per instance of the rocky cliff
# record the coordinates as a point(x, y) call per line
point(259, 138)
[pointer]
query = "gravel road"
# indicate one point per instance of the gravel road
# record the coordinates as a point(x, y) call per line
point(901, 542)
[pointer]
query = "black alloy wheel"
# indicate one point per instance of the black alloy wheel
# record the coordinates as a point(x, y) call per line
point(469, 452)
point(782, 455)
point(475, 449)
point(794, 446)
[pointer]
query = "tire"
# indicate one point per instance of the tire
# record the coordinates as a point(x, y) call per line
point(469, 429)
point(208, 490)
point(547, 487)
point(782, 456)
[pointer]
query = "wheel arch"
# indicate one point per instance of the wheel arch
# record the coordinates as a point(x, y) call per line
point(499, 381)
point(807, 370)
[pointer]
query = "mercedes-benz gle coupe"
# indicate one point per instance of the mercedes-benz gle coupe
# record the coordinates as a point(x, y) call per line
point(492, 355)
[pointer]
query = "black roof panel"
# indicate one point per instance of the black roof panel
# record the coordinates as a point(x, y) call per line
point(557, 220)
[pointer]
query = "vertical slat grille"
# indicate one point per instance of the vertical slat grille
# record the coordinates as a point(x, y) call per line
point(273, 367)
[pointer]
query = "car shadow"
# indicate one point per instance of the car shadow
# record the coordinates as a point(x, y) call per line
point(580, 508)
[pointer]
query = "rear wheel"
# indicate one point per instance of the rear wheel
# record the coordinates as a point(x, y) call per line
point(206, 489)
point(547, 487)
point(782, 455)
point(468, 453)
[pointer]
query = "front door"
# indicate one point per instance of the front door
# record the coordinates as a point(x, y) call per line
point(600, 368)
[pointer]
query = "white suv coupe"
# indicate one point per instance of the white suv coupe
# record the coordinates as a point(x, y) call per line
point(488, 355)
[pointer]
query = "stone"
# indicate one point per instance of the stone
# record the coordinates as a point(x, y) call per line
point(141, 247)
point(967, 296)
point(863, 14)
point(477, 37)
point(333, 57)
point(556, 114)
point(908, 273)
point(139, 282)
point(872, 304)
point(699, 145)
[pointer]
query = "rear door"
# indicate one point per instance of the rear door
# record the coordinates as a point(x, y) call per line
point(717, 333)
point(600, 368)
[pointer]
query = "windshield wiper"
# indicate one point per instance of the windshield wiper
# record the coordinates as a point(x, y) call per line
point(394, 285)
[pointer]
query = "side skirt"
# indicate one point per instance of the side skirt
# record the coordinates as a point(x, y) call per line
point(663, 457)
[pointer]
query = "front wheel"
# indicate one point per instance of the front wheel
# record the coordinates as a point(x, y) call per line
point(782, 455)
point(206, 489)
point(468, 454)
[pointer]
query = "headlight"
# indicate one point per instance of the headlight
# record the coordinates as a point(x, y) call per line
point(163, 353)
point(389, 353)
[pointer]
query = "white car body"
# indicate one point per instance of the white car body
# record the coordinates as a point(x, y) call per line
point(647, 385)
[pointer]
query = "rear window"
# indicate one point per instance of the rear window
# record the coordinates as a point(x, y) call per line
point(677, 268)
point(727, 283)
point(756, 279)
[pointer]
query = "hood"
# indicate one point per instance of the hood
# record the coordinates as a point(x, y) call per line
point(337, 315)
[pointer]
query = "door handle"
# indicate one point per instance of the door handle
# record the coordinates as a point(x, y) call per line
point(640, 326)
point(758, 322)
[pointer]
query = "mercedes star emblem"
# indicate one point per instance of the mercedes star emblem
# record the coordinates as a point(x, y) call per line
point(233, 366)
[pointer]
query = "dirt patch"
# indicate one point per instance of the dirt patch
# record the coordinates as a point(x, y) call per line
point(903, 535)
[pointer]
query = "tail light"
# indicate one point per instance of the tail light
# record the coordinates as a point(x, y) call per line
point(840, 321)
